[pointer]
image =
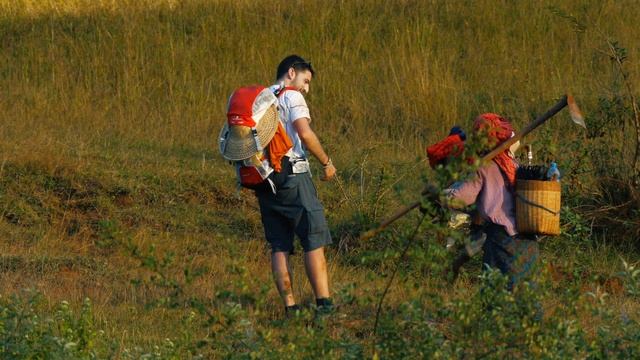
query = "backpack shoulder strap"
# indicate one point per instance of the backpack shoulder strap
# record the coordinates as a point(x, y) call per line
point(282, 90)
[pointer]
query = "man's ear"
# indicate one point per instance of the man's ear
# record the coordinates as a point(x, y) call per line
point(291, 73)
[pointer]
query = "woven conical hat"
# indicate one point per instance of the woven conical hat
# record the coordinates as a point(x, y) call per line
point(240, 143)
point(237, 142)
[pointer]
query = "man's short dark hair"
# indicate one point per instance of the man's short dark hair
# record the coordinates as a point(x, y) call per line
point(293, 61)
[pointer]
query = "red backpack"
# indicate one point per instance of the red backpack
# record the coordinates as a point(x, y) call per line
point(254, 139)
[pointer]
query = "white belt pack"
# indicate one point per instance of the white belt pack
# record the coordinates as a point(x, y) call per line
point(300, 166)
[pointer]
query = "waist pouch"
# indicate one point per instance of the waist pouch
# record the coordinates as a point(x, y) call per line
point(300, 166)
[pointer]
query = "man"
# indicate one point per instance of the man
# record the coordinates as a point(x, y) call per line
point(294, 208)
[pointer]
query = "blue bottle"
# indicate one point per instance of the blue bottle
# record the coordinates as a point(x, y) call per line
point(553, 174)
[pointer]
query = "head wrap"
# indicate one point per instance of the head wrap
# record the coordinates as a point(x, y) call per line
point(498, 130)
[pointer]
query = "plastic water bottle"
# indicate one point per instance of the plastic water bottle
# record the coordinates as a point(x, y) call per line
point(553, 174)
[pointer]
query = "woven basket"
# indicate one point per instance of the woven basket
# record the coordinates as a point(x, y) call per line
point(538, 207)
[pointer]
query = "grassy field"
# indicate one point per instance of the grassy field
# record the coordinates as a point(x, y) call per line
point(112, 189)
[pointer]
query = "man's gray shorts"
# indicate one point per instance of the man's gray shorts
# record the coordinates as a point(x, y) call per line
point(294, 209)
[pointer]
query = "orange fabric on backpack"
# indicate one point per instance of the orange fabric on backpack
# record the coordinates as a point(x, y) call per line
point(278, 147)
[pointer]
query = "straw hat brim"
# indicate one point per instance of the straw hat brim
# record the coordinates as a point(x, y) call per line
point(238, 143)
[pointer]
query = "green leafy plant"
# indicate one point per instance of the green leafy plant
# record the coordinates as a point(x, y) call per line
point(27, 331)
point(631, 278)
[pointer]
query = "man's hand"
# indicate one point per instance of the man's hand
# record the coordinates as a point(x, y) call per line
point(329, 172)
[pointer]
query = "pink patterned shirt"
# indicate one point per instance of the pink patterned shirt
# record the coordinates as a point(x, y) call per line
point(495, 202)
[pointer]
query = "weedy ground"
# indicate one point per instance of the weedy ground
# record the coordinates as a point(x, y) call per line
point(112, 189)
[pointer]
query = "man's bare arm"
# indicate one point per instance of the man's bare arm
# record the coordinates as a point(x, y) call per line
point(312, 143)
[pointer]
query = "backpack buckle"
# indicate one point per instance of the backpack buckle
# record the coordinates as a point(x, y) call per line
point(254, 132)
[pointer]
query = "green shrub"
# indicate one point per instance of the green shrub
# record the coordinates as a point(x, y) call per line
point(28, 332)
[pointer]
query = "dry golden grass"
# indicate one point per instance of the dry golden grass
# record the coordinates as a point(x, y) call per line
point(124, 94)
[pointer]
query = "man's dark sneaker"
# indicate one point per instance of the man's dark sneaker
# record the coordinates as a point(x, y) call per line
point(291, 311)
point(324, 306)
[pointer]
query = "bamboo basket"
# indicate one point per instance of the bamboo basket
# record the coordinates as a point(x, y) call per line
point(538, 207)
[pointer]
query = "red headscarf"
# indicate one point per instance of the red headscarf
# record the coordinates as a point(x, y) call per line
point(451, 146)
point(499, 130)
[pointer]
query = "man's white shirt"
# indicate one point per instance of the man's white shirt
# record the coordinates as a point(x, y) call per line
point(292, 106)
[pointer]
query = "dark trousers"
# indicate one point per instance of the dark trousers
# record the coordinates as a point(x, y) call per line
point(514, 256)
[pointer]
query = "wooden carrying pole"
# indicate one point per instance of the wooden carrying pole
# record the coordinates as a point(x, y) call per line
point(575, 116)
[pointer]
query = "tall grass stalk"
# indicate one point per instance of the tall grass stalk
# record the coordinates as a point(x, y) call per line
point(400, 73)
